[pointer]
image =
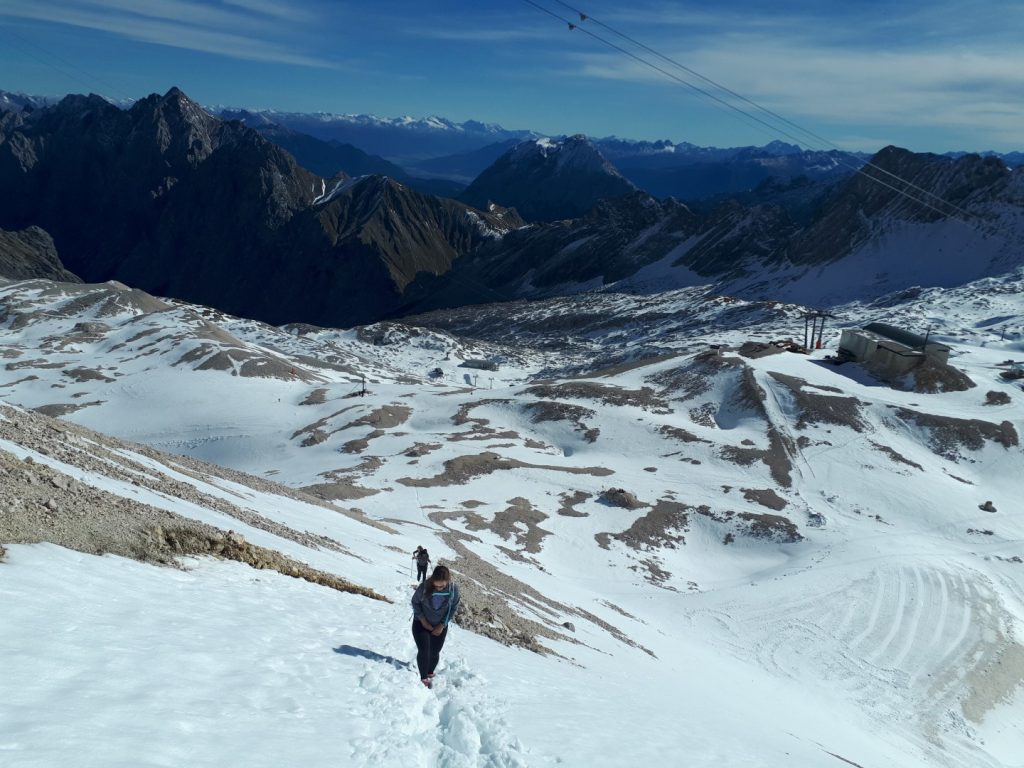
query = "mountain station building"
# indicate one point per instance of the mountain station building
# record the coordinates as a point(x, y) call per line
point(890, 351)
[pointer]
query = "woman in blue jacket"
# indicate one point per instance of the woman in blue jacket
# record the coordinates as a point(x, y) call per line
point(434, 605)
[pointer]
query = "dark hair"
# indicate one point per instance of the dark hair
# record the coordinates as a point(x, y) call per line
point(440, 574)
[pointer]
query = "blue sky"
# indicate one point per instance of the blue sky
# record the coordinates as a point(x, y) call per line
point(933, 76)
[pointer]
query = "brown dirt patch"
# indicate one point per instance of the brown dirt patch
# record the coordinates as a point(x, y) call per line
point(680, 434)
point(664, 526)
point(338, 491)
point(948, 435)
point(896, 456)
point(765, 497)
point(57, 410)
point(932, 377)
point(772, 527)
point(385, 417)
point(822, 409)
point(462, 469)
point(569, 503)
point(552, 410)
point(44, 505)
point(462, 416)
point(645, 398)
point(506, 524)
point(694, 378)
point(82, 375)
point(996, 398)
point(488, 597)
point(316, 397)
point(776, 457)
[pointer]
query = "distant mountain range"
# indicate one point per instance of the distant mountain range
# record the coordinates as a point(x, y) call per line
point(168, 198)
point(861, 238)
point(403, 138)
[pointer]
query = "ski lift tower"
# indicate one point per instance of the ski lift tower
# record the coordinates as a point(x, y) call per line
point(814, 328)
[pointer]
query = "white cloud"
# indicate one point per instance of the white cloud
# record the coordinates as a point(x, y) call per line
point(182, 24)
point(973, 91)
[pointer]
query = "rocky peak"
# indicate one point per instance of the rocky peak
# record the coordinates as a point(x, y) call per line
point(548, 180)
point(177, 124)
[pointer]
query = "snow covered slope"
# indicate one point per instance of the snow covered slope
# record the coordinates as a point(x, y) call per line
point(670, 553)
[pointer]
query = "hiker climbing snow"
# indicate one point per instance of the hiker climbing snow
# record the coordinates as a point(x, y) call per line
point(434, 605)
point(422, 558)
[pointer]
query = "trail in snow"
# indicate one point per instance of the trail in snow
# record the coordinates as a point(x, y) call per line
point(457, 724)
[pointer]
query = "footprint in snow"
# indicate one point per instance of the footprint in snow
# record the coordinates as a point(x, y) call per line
point(470, 726)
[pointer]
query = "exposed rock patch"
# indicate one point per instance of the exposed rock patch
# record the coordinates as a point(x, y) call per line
point(694, 378)
point(765, 497)
point(896, 456)
point(63, 409)
point(645, 398)
point(681, 434)
point(551, 410)
point(821, 409)
point(462, 469)
point(43, 505)
point(488, 596)
point(316, 397)
point(996, 398)
point(664, 526)
point(385, 417)
point(509, 523)
point(932, 377)
point(570, 502)
point(948, 435)
point(777, 457)
point(620, 497)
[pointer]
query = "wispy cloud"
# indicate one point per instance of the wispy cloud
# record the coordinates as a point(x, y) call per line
point(809, 75)
point(226, 30)
point(274, 9)
point(492, 35)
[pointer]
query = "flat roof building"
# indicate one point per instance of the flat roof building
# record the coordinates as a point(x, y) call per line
point(890, 351)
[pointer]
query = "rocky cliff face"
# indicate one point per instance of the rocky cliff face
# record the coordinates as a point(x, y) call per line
point(169, 199)
point(31, 254)
point(937, 189)
point(547, 181)
point(860, 239)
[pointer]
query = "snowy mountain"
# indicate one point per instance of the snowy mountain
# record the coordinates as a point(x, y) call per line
point(17, 102)
point(860, 239)
point(546, 180)
point(400, 139)
point(714, 555)
point(695, 173)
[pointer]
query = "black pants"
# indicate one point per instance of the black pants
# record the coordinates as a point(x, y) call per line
point(421, 572)
point(428, 648)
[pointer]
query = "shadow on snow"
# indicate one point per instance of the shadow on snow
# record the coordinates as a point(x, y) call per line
point(362, 653)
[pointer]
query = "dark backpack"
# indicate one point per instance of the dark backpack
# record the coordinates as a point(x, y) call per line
point(423, 558)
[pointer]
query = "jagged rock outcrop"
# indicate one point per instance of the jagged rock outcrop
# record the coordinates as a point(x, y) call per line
point(874, 199)
point(167, 198)
point(31, 254)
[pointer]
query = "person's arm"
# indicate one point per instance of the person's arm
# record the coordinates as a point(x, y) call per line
point(417, 610)
point(454, 604)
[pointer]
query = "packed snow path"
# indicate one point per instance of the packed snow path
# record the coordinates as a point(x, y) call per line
point(220, 660)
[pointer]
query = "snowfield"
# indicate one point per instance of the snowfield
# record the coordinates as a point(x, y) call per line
point(670, 554)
